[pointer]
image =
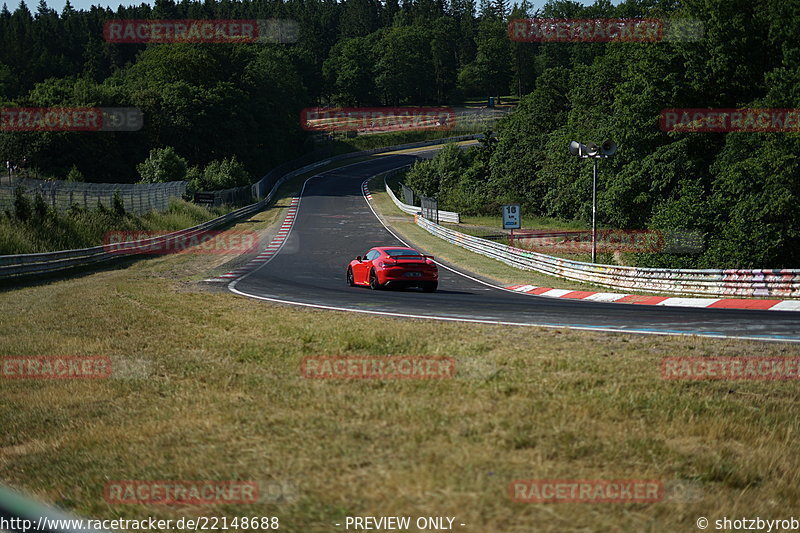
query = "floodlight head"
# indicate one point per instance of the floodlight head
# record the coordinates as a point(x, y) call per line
point(592, 149)
point(608, 148)
point(575, 148)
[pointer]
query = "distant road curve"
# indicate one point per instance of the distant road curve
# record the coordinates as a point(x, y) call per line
point(335, 223)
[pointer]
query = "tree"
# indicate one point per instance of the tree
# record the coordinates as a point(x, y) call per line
point(226, 174)
point(359, 18)
point(22, 204)
point(404, 70)
point(493, 61)
point(40, 209)
point(756, 201)
point(218, 175)
point(68, 10)
point(523, 65)
point(444, 57)
point(117, 205)
point(349, 72)
point(163, 165)
point(75, 175)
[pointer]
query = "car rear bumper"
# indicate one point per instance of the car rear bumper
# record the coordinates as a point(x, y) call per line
point(399, 284)
point(403, 276)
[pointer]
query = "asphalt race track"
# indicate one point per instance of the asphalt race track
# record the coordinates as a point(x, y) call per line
point(335, 223)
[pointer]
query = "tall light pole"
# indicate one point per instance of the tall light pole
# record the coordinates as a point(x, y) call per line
point(591, 150)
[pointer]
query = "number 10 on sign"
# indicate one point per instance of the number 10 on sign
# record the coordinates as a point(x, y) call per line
point(511, 216)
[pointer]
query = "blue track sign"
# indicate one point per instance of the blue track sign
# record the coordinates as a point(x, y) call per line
point(511, 216)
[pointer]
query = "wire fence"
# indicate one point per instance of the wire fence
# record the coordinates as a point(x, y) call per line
point(62, 195)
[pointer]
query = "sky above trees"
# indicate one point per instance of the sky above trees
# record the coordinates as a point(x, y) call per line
point(58, 5)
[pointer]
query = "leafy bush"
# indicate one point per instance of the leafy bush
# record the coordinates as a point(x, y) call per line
point(218, 175)
point(161, 166)
point(40, 208)
point(117, 205)
point(74, 175)
point(22, 204)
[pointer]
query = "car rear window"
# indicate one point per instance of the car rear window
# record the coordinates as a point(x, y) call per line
point(403, 251)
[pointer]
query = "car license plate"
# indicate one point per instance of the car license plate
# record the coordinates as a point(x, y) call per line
point(414, 274)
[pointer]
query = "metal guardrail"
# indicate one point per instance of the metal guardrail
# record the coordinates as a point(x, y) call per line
point(13, 266)
point(405, 208)
point(444, 216)
point(762, 283)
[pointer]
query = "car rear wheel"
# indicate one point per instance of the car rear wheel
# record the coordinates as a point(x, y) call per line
point(430, 287)
point(373, 280)
point(350, 280)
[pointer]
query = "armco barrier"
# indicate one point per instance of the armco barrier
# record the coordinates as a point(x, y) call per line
point(12, 266)
point(444, 216)
point(762, 283)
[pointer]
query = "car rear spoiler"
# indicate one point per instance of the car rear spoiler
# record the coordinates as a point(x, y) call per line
point(395, 257)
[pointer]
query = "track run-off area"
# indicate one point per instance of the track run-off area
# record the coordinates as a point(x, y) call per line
point(335, 222)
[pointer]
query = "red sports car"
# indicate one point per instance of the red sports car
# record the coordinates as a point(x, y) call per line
point(393, 266)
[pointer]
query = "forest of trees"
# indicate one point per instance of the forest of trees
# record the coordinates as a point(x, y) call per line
point(214, 101)
point(237, 106)
point(742, 189)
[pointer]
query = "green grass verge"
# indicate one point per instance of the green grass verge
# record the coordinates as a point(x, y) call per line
point(84, 228)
